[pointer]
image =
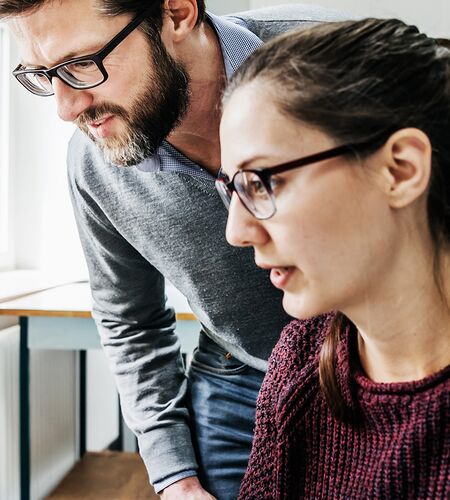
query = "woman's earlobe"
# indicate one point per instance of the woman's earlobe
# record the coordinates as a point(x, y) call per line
point(407, 155)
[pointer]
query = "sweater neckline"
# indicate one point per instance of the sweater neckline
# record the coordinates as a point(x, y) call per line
point(405, 388)
point(392, 388)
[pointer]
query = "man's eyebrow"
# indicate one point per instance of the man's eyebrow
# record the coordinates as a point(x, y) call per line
point(87, 51)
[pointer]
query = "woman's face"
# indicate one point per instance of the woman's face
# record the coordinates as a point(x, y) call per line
point(333, 235)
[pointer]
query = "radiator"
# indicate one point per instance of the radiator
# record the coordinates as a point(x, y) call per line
point(53, 415)
point(9, 413)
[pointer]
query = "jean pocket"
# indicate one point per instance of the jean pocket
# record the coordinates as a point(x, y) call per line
point(209, 357)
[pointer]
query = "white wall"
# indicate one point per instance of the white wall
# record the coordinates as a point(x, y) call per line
point(227, 6)
point(432, 17)
point(43, 225)
point(6, 237)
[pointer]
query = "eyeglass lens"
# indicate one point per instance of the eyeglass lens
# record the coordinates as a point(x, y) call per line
point(224, 192)
point(252, 192)
point(37, 83)
point(81, 74)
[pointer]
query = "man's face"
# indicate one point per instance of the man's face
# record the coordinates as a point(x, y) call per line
point(147, 91)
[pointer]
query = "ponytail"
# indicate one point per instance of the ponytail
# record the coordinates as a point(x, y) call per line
point(327, 367)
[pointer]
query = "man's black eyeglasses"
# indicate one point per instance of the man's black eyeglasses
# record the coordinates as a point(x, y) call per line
point(80, 73)
point(253, 186)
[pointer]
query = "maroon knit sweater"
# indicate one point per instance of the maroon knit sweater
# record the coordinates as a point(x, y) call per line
point(400, 449)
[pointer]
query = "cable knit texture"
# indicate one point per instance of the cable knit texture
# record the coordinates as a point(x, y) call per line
point(399, 449)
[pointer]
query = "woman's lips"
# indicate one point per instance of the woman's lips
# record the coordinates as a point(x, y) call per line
point(101, 128)
point(279, 276)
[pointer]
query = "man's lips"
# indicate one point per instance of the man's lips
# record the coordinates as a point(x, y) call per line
point(101, 128)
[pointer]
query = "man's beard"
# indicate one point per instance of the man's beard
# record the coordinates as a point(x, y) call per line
point(155, 112)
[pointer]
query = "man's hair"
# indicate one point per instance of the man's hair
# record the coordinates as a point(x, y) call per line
point(11, 8)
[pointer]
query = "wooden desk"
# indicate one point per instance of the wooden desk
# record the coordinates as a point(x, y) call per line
point(74, 300)
point(15, 284)
point(47, 313)
point(60, 319)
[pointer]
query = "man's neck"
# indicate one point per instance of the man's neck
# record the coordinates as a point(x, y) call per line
point(197, 137)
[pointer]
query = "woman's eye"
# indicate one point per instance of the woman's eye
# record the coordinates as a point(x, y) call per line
point(256, 186)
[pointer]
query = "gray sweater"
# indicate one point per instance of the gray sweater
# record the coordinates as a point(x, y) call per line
point(160, 219)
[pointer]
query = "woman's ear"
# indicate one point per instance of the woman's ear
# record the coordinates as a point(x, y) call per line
point(182, 15)
point(406, 167)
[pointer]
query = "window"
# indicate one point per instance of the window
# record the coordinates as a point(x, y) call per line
point(5, 228)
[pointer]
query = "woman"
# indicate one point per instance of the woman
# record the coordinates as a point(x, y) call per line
point(354, 218)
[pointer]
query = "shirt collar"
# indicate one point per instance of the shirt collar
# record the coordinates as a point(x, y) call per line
point(236, 42)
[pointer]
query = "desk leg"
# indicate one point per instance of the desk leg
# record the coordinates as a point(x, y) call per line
point(24, 381)
point(127, 440)
point(83, 399)
point(121, 427)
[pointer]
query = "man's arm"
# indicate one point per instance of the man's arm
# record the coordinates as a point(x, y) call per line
point(187, 489)
point(137, 333)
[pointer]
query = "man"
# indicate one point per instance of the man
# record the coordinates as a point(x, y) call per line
point(142, 81)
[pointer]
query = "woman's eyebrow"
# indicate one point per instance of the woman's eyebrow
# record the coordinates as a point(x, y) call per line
point(245, 164)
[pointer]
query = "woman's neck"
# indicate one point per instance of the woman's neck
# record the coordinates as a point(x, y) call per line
point(405, 334)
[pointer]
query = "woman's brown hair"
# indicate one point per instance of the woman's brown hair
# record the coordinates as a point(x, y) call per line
point(357, 81)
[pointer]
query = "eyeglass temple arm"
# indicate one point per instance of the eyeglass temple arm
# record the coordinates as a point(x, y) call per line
point(308, 160)
point(122, 35)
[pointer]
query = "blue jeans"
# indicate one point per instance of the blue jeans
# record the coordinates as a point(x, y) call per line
point(223, 394)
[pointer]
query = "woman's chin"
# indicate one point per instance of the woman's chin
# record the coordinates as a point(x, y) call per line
point(297, 306)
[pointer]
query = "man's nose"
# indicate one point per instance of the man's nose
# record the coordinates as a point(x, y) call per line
point(70, 102)
point(243, 230)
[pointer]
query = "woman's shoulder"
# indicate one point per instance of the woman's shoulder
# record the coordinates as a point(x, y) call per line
point(299, 346)
point(303, 338)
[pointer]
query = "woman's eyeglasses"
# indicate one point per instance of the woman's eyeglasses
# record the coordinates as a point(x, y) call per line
point(253, 186)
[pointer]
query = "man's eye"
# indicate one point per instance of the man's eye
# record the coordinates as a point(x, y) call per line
point(84, 66)
point(39, 77)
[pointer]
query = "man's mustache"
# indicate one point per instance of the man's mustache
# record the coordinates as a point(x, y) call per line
point(95, 113)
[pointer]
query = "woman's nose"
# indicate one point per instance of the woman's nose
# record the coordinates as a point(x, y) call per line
point(243, 229)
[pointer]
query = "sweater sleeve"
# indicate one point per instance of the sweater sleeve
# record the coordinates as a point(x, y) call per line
point(295, 354)
point(137, 333)
point(260, 478)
